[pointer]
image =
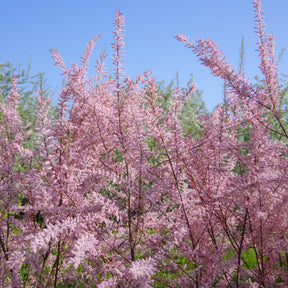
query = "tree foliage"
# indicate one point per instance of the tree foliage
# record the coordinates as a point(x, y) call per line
point(193, 107)
point(27, 85)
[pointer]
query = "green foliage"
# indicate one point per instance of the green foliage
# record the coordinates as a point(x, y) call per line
point(169, 274)
point(165, 92)
point(192, 108)
point(249, 257)
point(39, 218)
point(241, 55)
point(28, 84)
point(243, 133)
point(228, 254)
point(118, 156)
point(24, 272)
point(283, 113)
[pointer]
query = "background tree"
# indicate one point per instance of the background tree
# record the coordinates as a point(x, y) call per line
point(193, 107)
point(27, 86)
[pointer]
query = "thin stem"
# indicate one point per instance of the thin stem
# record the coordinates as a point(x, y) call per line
point(240, 247)
point(57, 265)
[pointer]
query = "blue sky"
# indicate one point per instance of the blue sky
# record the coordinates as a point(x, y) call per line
point(31, 27)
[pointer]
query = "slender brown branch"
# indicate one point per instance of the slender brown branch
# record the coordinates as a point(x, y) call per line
point(240, 247)
point(57, 264)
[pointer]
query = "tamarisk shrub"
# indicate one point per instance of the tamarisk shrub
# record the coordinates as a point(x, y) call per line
point(12, 136)
point(245, 181)
point(117, 195)
point(97, 179)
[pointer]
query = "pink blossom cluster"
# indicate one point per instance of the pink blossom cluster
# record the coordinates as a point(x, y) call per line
point(116, 195)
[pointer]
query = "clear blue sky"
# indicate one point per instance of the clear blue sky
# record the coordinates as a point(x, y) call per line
point(32, 27)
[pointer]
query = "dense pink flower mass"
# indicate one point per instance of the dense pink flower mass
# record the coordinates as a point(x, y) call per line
point(116, 194)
